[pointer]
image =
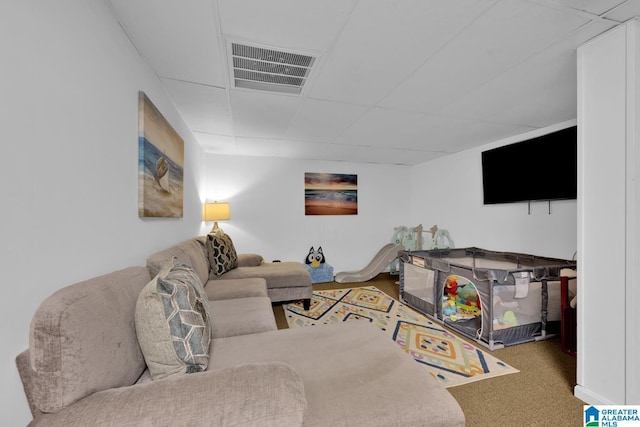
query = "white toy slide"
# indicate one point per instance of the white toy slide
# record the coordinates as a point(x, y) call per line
point(379, 262)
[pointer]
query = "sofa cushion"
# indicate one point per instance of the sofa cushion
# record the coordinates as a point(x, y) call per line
point(242, 316)
point(222, 254)
point(83, 340)
point(353, 374)
point(269, 394)
point(191, 252)
point(173, 322)
point(236, 288)
point(289, 274)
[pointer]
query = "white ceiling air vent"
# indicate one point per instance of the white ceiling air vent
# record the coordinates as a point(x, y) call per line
point(268, 69)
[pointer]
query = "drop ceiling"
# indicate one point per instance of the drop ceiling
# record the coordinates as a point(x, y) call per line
point(392, 81)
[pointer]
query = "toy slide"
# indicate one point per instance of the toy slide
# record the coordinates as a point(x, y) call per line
point(379, 262)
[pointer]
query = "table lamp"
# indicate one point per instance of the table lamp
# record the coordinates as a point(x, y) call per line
point(216, 211)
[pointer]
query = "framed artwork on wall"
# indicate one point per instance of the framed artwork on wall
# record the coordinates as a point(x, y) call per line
point(160, 164)
point(330, 194)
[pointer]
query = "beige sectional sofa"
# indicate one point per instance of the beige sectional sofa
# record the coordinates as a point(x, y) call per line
point(286, 281)
point(85, 367)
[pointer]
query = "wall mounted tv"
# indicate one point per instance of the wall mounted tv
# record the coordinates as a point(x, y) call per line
point(542, 168)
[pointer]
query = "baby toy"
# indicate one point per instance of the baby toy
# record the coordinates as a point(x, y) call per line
point(451, 286)
point(439, 237)
point(411, 240)
point(507, 320)
point(468, 292)
point(398, 235)
point(315, 258)
point(449, 308)
point(317, 267)
point(409, 237)
point(499, 305)
point(502, 312)
point(467, 299)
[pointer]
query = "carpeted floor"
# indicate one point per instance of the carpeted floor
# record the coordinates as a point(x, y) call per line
point(447, 358)
point(541, 394)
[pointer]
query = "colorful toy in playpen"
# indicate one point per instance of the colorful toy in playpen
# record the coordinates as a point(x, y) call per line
point(451, 286)
point(503, 313)
point(460, 300)
point(467, 299)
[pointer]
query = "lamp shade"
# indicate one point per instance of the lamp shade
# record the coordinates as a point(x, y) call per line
point(216, 211)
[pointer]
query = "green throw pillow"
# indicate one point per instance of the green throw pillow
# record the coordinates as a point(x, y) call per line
point(173, 322)
point(222, 254)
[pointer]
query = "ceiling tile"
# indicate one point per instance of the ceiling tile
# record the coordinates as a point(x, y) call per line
point(310, 150)
point(450, 134)
point(204, 108)
point(178, 38)
point(289, 24)
point(351, 153)
point(384, 42)
point(261, 114)
point(506, 35)
point(260, 147)
point(596, 7)
point(389, 156)
point(218, 144)
point(538, 92)
point(625, 11)
point(551, 95)
point(323, 121)
point(380, 127)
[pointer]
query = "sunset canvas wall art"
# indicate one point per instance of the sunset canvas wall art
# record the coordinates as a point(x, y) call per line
point(330, 194)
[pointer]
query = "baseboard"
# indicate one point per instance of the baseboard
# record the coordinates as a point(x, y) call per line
point(590, 397)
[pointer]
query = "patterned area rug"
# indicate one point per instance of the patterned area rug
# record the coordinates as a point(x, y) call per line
point(449, 359)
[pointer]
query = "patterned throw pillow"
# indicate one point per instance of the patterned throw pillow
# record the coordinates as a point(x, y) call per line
point(173, 322)
point(222, 254)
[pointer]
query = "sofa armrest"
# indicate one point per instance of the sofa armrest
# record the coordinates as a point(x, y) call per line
point(258, 394)
point(249, 260)
point(23, 363)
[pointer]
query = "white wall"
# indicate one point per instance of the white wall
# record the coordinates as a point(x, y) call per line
point(69, 85)
point(448, 192)
point(266, 197)
point(608, 97)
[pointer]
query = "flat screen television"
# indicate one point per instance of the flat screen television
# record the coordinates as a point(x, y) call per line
point(542, 168)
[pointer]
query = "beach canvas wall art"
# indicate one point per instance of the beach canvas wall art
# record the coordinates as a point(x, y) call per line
point(160, 164)
point(330, 194)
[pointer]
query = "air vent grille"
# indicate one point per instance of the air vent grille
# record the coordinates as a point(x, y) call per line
point(247, 84)
point(269, 69)
point(268, 78)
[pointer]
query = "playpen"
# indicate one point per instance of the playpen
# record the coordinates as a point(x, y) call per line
point(495, 298)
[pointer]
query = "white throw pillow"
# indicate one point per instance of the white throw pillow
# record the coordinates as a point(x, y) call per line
point(173, 322)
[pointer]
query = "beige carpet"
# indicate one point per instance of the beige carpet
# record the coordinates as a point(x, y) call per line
point(540, 395)
point(449, 359)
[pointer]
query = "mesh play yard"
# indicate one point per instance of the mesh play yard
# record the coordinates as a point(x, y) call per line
point(495, 298)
